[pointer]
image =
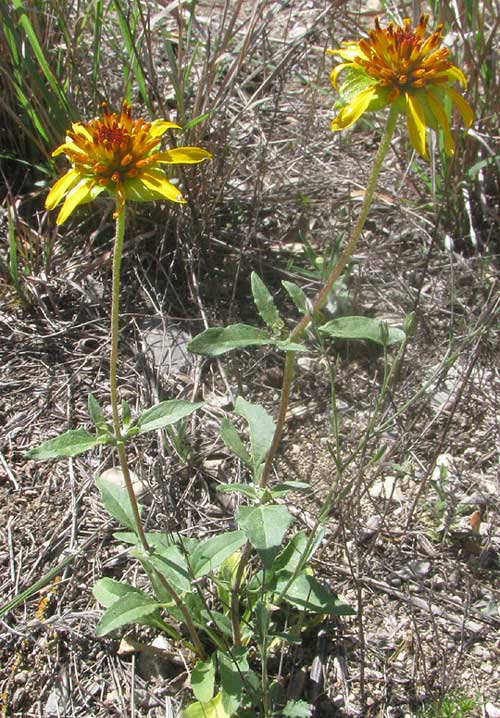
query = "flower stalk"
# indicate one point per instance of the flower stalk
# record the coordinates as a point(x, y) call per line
point(297, 332)
point(324, 292)
point(120, 443)
point(113, 364)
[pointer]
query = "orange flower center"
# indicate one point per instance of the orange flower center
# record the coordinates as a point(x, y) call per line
point(119, 147)
point(399, 57)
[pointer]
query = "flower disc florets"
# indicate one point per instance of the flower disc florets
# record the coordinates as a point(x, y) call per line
point(121, 156)
point(399, 65)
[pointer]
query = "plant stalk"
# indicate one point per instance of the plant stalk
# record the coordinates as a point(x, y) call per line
point(289, 370)
point(120, 443)
point(324, 292)
point(113, 362)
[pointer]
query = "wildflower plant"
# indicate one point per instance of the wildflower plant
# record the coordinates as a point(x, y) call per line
point(228, 590)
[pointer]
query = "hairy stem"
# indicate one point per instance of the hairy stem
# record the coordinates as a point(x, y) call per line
point(120, 443)
point(324, 292)
point(113, 361)
point(296, 333)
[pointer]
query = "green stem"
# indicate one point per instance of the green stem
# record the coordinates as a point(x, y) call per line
point(324, 292)
point(289, 370)
point(113, 362)
point(120, 443)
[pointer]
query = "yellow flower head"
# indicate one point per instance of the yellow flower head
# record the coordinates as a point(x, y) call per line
point(399, 65)
point(121, 156)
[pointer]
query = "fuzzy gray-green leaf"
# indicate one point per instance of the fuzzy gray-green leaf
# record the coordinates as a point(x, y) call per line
point(264, 301)
point(362, 328)
point(165, 413)
point(219, 340)
point(71, 443)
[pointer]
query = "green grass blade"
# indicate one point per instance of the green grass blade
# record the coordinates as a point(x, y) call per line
point(128, 31)
point(96, 46)
point(39, 54)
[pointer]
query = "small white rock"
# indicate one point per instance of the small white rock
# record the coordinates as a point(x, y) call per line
point(115, 476)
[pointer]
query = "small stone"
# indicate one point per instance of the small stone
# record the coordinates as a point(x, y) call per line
point(305, 363)
point(370, 529)
point(115, 476)
point(18, 698)
point(166, 348)
point(386, 489)
point(492, 711)
point(21, 677)
point(157, 660)
point(338, 701)
point(212, 466)
point(480, 651)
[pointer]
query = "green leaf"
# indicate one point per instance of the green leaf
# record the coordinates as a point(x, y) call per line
point(261, 427)
point(107, 591)
point(159, 540)
point(285, 345)
point(362, 328)
point(245, 489)
point(133, 607)
point(219, 340)
point(221, 621)
point(95, 412)
point(203, 680)
point(297, 295)
point(309, 595)
point(294, 552)
point(126, 413)
point(232, 439)
point(72, 443)
point(264, 302)
point(116, 501)
point(196, 120)
point(165, 413)
point(285, 486)
point(170, 563)
point(211, 553)
point(232, 667)
point(261, 623)
point(297, 709)
point(265, 527)
point(211, 709)
point(355, 80)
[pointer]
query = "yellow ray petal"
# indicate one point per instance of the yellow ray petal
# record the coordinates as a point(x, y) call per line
point(415, 121)
point(456, 74)
point(80, 129)
point(69, 147)
point(353, 111)
point(159, 127)
point(157, 182)
point(338, 69)
point(463, 106)
point(78, 194)
point(442, 120)
point(440, 115)
point(60, 188)
point(184, 155)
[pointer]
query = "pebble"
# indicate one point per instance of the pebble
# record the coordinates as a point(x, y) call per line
point(21, 678)
point(115, 476)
